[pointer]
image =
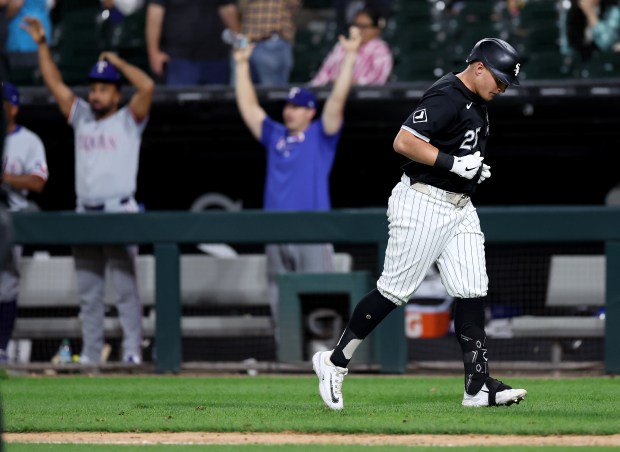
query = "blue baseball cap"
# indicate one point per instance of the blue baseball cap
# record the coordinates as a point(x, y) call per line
point(10, 93)
point(301, 97)
point(103, 71)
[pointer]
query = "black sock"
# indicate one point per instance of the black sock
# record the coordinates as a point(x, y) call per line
point(369, 312)
point(8, 312)
point(469, 330)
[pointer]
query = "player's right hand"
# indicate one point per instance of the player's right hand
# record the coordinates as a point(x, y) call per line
point(468, 165)
point(485, 174)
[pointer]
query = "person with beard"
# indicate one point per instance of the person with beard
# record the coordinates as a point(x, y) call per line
point(587, 27)
point(107, 148)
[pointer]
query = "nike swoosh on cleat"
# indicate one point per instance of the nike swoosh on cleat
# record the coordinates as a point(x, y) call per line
point(331, 390)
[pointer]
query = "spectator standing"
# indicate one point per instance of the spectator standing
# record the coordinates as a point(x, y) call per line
point(184, 40)
point(270, 26)
point(24, 170)
point(22, 52)
point(107, 148)
point(300, 155)
point(374, 63)
point(588, 26)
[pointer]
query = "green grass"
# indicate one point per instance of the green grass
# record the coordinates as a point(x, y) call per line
point(374, 404)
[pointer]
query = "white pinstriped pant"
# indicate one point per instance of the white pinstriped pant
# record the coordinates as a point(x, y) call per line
point(423, 229)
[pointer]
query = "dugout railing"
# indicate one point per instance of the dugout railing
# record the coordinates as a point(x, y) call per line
point(167, 231)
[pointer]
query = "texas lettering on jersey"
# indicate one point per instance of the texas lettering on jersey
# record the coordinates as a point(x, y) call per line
point(96, 142)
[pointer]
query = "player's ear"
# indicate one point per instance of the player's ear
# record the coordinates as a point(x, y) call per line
point(478, 67)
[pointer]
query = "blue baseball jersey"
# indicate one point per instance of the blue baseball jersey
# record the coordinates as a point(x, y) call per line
point(298, 166)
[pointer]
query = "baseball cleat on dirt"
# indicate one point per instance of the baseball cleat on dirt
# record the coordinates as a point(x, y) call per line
point(330, 379)
point(493, 393)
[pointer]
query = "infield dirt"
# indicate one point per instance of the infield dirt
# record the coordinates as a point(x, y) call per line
point(299, 438)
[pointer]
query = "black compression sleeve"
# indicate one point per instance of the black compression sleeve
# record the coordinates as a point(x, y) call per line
point(444, 161)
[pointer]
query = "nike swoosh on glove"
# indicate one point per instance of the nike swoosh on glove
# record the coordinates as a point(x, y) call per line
point(468, 165)
point(485, 174)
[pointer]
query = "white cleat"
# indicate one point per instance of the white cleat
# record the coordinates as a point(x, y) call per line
point(330, 379)
point(499, 394)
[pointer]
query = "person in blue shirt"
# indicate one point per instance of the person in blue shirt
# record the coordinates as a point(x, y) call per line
point(300, 155)
point(22, 50)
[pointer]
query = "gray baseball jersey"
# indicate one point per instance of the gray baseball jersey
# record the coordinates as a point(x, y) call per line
point(24, 154)
point(106, 153)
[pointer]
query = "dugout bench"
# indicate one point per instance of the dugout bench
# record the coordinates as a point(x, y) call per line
point(576, 285)
point(48, 293)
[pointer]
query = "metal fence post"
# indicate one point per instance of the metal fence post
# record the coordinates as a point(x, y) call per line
point(167, 308)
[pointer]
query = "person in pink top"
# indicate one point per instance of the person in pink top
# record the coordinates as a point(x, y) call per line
point(374, 61)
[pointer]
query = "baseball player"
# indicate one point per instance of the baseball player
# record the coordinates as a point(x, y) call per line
point(432, 220)
point(24, 170)
point(300, 155)
point(107, 147)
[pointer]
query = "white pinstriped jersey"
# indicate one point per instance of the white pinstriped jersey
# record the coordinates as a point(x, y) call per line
point(425, 224)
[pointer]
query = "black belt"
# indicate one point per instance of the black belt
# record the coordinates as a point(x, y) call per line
point(101, 207)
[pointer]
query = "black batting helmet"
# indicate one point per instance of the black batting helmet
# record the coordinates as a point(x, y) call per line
point(499, 57)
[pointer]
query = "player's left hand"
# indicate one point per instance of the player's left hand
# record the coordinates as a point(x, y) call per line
point(485, 174)
point(110, 57)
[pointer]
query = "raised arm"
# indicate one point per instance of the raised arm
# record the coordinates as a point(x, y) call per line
point(251, 112)
point(154, 23)
point(51, 75)
point(333, 111)
point(140, 102)
point(12, 7)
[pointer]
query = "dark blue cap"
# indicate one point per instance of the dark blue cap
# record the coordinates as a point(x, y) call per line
point(301, 97)
point(103, 71)
point(10, 93)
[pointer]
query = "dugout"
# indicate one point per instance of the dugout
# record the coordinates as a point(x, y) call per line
point(543, 135)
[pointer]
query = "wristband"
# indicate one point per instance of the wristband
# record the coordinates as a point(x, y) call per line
point(43, 40)
point(444, 161)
